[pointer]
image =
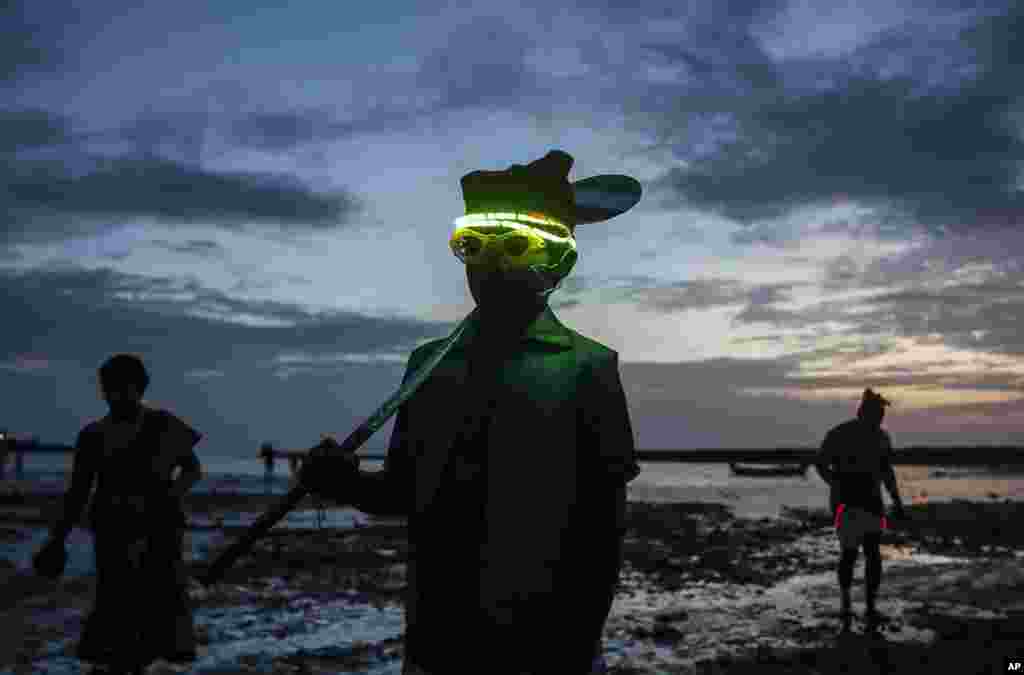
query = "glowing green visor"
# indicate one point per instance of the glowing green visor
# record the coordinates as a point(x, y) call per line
point(513, 240)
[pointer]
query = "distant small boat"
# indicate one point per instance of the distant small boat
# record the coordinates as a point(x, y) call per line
point(778, 470)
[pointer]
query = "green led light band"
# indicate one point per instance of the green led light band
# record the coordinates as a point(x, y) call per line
point(541, 246)
point(511, 219)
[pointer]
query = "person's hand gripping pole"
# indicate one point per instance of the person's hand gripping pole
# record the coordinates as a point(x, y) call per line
point(348, 447)
point(329, 469)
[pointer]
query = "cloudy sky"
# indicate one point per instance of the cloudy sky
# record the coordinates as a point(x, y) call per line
point(257, 199)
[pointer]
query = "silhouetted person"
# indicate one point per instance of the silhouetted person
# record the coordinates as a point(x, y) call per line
point(5, 444)
point(142, 610)
point(855, 461)
point(267, 452)
point(511, 463)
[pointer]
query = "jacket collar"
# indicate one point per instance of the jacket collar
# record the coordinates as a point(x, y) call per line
point(545, 329)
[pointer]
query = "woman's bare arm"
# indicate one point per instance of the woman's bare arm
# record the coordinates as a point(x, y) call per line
point(83, 475)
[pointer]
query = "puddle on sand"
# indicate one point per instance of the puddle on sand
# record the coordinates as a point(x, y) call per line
point(251, 638)
point(79, 545)
point(707, 619)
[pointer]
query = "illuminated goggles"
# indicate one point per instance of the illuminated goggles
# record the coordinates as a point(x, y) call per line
point(514, 241)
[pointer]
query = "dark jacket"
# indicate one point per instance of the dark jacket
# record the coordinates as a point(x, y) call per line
point(559, 453)
point(164, 442)
point(860, 457)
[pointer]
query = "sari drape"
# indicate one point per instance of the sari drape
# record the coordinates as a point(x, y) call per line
point(142, 609)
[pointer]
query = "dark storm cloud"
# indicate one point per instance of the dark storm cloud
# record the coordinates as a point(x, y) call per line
point(716, 50)
point(840, 272)
point(479, 63)
point(185, 136)
point(656, 294)
point(75, 318)
point(936, 147)
point(162, 321)
point(779, 233)
point(714, 403)
point(687, 295)
point(31, 38)
point(60, 188)
point(724, 56)
point(762, 307)
point(482, 62)
point(285, 130)
point(968, 289)
point(131, 187)
point(728, 12)
point(701, 404)
point(235, 115)
point(759, 302)
point(27, 128)
point(784, 373)
point(203, 248)
point(958, 311)
point(282, 130)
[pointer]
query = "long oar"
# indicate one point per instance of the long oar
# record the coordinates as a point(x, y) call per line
point(350, 445)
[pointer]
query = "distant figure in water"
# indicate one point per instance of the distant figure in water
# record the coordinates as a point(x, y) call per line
point(267, 452)
point(5, 444)
point(510, 461)
point(142, 611)
point(855, 461)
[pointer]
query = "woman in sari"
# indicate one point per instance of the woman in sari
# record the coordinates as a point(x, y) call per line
point(142, 611)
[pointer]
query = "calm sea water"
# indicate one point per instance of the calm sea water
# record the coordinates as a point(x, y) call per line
point(752, 497)
point(46, 473)
point(713, 483)
point(658, 482)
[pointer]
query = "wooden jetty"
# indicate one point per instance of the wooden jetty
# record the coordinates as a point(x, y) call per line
point(909, 456)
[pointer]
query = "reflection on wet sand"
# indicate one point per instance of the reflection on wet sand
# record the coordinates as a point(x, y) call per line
point(701, 591)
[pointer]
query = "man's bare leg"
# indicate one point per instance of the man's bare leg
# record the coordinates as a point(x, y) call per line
point(847, 561)
point(872, 577)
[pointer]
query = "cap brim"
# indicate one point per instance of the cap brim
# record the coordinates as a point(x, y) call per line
point(601, 198)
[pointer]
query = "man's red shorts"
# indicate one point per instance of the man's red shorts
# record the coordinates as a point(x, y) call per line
point(853, 523)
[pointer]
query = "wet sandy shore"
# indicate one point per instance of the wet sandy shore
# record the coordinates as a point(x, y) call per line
point(701, 591)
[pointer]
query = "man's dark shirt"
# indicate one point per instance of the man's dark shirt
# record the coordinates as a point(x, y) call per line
point(860, 457)
point(534, 560)
point(456, 513)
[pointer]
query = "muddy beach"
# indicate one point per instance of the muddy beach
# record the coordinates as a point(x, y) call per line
point(701, 591)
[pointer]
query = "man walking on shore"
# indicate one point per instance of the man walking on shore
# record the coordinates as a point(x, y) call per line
point(855, 461)
point(511, 461)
